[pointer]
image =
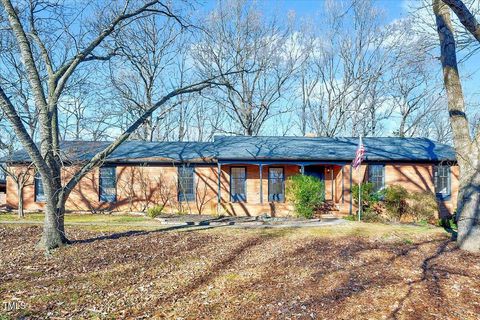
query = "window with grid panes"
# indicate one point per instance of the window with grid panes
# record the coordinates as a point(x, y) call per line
point(108, 184)
point(186, 183)
point(276, 185)
point(376, 176)
point(441, 177)
point(238, 188)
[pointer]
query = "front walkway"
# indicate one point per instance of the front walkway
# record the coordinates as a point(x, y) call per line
point(248, 222)
point(185, 221)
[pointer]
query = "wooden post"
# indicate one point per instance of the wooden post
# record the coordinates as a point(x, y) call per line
point(333, 186)
point(351, 182)
point(260, 166)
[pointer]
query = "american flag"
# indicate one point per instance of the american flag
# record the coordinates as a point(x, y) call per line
point(359, 154)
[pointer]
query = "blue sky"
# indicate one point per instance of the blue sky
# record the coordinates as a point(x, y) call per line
point(393, 9)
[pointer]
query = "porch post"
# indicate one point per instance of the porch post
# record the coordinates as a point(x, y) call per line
point(302, 169)
point(260, 166)
point(351, 200)
point(333, 184)
point(343, 184)
point(219, 190)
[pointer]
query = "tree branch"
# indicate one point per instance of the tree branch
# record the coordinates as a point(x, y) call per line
point(456, 105)
point(41, 45)
point(465, 17)
point(64, 72)
point(22, 134)
point(32, 71)
point(99, 157)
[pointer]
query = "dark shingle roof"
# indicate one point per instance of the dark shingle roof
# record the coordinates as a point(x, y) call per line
point(133, 151)
point(331, 149)
point(260, 148)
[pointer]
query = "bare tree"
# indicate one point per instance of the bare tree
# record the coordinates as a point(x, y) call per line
point(148, 50)
point(77, 119)
point(413, 89)
point(18, 89)
point(240, 38)
point(342, 84)
point(436, 125)
point(22, 176)
point(466, 143)
point(41, 27)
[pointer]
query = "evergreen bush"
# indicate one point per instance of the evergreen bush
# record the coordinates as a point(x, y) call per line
point(307, 193)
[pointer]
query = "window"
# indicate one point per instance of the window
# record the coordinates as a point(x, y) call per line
point(186, 190)
point(276, 185)
point(238, 188)
point(39, 193)
point(441, 177)
point(376, 176)
point(108, 184)
point(3, 175)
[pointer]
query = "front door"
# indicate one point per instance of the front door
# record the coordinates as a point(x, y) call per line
point(317, 172)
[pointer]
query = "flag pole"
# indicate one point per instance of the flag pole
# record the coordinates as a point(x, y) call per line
point(357, 162)
point(359, 194)
point(360, 185)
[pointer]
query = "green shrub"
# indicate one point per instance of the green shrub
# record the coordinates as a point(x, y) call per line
point(396, 202)
point(449, 223)
point(155, 211)
point(423, 206)
point(307, 193)
point(405, 206)
point(369, 196)
point(371, 206)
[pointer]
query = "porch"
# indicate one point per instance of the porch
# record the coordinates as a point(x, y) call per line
point(258, 188)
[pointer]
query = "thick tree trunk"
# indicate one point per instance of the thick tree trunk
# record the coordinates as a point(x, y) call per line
point(52, 236)
point(468, 205)
point(54, 228)
point(21, 213)
point(468, 213)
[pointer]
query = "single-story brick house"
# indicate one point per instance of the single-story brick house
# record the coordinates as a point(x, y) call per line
point(240, 175)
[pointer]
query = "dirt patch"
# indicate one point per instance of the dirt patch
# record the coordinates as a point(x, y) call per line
point(238, 274)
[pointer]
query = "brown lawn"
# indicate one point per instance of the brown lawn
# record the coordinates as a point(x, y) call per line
point(355, 271)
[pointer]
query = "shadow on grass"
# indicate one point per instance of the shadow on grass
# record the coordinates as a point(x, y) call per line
point(355, 279)
point(428, 276)
point(134, 233)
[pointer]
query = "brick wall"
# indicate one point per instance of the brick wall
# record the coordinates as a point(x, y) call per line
point(3, 199)
point(139, 187)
